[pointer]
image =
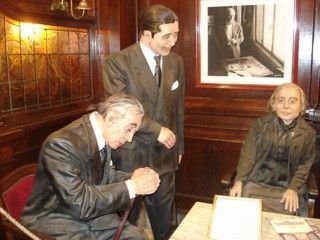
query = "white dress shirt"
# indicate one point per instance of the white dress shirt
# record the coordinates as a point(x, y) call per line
point(101, 144)
point(149, 56)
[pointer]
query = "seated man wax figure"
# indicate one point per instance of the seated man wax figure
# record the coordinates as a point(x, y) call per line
point(277, 155)
point(77, 191)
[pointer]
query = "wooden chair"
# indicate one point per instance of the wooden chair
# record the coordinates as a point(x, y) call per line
point(15, 189)
point(227, 183)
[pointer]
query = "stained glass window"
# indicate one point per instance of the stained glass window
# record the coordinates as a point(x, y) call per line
point(42, 66)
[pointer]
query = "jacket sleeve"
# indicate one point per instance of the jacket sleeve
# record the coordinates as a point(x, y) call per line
point(116, 175)
point(248, 154)
point(64, 166)
point(304, 165)
point(115, 79)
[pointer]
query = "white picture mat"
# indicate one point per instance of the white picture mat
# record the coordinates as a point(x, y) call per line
point(235, 218)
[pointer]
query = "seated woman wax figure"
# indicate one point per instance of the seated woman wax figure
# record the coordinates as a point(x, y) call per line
point(277, 155)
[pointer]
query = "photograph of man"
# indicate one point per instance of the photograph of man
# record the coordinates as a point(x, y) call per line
point(227, 37)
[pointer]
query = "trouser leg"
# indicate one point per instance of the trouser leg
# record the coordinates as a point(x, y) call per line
point(161, 208)
point(135, 210)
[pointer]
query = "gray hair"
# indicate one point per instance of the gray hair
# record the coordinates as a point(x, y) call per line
point(303, 101)
point(120, 104)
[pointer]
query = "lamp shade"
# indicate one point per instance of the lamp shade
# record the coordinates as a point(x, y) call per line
point(83, 5)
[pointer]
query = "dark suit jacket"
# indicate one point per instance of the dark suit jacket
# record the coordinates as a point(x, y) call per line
point(128, 72)
point(75, 186)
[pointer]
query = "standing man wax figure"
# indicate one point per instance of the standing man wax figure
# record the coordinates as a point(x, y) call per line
point(77, 190)
point(159, 142)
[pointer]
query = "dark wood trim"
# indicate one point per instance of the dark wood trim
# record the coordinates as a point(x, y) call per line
point(38, 117)
point(305, 27)
point(315, 78)
point(295, 49)
point(232, 106)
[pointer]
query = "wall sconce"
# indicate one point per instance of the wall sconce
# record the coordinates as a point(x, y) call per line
point(62, 5)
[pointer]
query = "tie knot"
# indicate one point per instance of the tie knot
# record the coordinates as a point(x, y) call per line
point(158, 59)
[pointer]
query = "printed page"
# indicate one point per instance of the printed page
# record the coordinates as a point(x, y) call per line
point(291, 225)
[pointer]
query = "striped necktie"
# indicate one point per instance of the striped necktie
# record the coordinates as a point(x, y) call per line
point(157, 72)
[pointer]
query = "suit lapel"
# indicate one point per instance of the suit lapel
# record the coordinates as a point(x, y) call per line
point(143, 72)
point(95, 163)
point(167, 80)
point(167, 72)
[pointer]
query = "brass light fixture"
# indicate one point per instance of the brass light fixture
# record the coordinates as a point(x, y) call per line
point(62, 5)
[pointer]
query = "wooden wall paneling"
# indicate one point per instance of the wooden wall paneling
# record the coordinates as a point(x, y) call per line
point(100, 44)
point(21, 144)
point(102, 27)
point(141, 6)
point(205, 162)
point(233, 107)
point(128, 23)
point(214, 131)
point(112, 19)
point(116, 29)
point(315, 78)
point(305, 28)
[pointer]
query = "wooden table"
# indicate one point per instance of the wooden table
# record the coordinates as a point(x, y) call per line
point(195, 225)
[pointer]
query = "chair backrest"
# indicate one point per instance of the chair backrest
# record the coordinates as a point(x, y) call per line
point(15, 189)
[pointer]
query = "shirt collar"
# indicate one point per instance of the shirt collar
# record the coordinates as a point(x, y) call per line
point(149, 56)
point(289, 126)
point(97, 131)
point(147, 52)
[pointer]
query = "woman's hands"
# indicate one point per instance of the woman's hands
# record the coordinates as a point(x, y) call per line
point(291, 200)
point(236, 190)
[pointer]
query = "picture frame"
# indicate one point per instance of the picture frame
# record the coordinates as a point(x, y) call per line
point(254, 48)
point(227, 212)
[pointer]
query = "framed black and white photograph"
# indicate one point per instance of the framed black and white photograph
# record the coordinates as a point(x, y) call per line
point(248, 42)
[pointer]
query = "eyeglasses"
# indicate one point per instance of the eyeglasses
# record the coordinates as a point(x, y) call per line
point(283, 101)
point(174, 36)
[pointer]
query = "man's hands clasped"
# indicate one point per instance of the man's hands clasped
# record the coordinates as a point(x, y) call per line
point(145, 181)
